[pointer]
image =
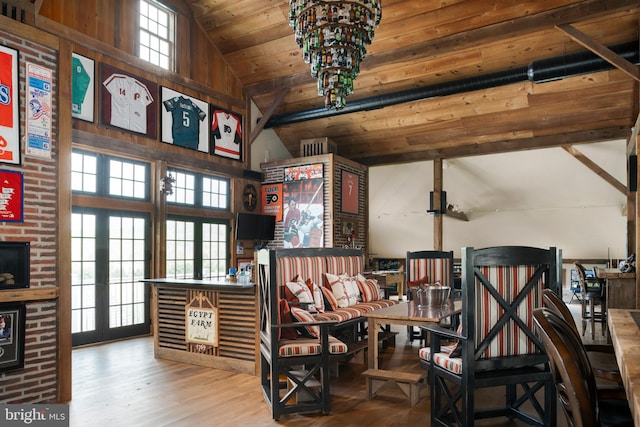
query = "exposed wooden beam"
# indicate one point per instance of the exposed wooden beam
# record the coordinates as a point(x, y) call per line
point(601, 50)
point(437, 205)
point(466, 39)
point(595, 168)
point(534, 143)
point(267, 115)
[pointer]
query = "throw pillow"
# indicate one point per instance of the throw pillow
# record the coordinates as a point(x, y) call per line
point(351, 286)
point(284, 313)
point(330, 299)
point(303, 316)
point(301, 291)
point(318, 299)
point(344, 288)
point(368, 288)
point(336, 285)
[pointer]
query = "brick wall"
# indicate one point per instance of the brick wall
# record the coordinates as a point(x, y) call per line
point(37, 382)
point(332, 198)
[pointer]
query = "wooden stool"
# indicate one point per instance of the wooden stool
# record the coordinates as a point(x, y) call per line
point(410, 383)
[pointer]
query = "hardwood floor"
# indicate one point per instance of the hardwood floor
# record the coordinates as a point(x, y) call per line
point(122, 384)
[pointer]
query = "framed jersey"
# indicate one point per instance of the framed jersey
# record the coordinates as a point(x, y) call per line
point(226, 133)
point(128, 102)
point(82, 87)
point(185, 120)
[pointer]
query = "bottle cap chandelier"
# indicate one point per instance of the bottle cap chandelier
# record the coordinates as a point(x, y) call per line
point(333, 36)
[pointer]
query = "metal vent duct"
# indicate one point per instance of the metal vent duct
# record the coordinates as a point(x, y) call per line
point(537, 72)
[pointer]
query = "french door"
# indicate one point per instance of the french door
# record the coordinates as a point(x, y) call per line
point(110, 254)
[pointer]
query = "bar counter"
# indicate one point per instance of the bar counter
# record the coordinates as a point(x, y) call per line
point(625, 336)
point(210, 323)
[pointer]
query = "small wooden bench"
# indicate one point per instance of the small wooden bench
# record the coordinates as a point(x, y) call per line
point(410, 383)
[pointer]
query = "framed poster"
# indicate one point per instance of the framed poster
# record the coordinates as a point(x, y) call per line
point(226, 133)
point(272, 200)
point(303, 206)
point(39, 112)
point(350, 186)
point(11, 196)
point(9, 106)
point(82, 87)
point(128, 102)
point(12, 324)
point(181, 119)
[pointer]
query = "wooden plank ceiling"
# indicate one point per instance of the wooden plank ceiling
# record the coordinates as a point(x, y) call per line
point(464, 62)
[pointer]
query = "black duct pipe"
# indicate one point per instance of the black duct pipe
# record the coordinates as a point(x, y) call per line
point(537, 72)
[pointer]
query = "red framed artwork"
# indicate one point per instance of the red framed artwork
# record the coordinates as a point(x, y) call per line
point(350, 185)
point(11, 196)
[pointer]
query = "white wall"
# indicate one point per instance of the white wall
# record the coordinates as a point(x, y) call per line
point(267, 147)
point(536, 198)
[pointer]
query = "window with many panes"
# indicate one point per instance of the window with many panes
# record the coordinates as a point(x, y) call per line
point(109, 176)
point(199, 190)
point(111, 247)
point(197, 247)
point(156, 34)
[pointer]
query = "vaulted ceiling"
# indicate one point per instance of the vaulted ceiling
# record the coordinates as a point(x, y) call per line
point(445, 78)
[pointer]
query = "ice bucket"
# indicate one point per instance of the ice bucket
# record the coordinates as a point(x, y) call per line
point(430, 296)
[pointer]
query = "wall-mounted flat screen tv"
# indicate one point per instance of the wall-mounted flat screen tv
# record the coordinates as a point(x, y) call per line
point(255, 227)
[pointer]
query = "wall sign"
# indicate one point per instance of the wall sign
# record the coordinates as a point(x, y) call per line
point(9, 106)
point(39, 112)
point(272, 200)
point(201, 321)
point(350, 185)
point(11, 196)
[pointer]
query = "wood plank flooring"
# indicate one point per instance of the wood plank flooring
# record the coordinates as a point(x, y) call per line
point(122, 384)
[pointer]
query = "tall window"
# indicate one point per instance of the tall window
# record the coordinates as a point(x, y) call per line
point(197, 246)
point(157, 30)
point(111, 248)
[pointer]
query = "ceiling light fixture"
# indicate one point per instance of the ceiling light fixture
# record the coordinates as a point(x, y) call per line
point(333, 36)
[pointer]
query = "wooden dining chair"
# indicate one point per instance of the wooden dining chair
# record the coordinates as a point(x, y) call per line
point(584, 404)
point(601, 356)
point(426, 267)
point(497, 347)
point(593, 303)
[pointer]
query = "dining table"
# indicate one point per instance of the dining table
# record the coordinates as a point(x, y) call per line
point(624, 326)
point(407, 313)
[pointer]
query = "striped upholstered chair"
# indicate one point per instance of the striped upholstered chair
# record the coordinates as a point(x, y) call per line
point(429, 266)
point(501, 287)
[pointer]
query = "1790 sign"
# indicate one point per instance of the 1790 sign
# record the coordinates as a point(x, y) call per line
point(201, 320)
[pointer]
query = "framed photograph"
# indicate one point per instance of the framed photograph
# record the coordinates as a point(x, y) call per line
point(11, 196)
point(226, 133)
point(82, 87)
point(350, 186)
point(9, 106)
point(128, 102)
point(243, 263)
point(185, 120)
point(349, 227)
point(12, 324)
